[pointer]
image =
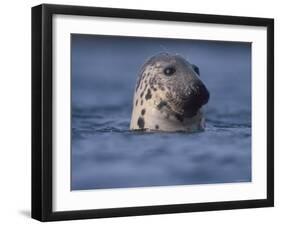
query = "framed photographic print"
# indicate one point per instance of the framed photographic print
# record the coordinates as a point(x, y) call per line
point(146, 112)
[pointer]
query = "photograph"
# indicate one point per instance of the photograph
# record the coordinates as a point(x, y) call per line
point(141, 112)
point(148, 111)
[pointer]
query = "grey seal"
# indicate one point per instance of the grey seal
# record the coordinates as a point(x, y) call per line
point(169, 96)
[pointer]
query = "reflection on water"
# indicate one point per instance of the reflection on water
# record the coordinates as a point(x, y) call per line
point(105, 154)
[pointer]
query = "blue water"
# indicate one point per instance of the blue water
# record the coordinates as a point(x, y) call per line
point(105, 154)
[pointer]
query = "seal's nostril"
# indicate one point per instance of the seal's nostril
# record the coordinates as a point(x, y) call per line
point(199, 94)
point(204, 94)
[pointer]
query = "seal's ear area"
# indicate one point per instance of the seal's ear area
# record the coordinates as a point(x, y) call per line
point(196, 69)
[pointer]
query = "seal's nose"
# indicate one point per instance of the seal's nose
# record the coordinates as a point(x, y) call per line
point(199, 94)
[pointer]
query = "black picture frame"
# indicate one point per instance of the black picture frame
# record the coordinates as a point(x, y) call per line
point(42, 106)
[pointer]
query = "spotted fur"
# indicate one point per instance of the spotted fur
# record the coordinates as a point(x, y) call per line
point(164, 102)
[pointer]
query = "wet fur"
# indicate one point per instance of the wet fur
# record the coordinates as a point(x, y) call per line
point(158, 100)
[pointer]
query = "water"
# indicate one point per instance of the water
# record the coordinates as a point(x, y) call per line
point(105, 154)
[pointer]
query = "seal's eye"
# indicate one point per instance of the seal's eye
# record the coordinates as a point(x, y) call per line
point(196, 69)
point(169, 71)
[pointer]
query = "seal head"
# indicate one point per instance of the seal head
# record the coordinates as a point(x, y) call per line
point(169, 95)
